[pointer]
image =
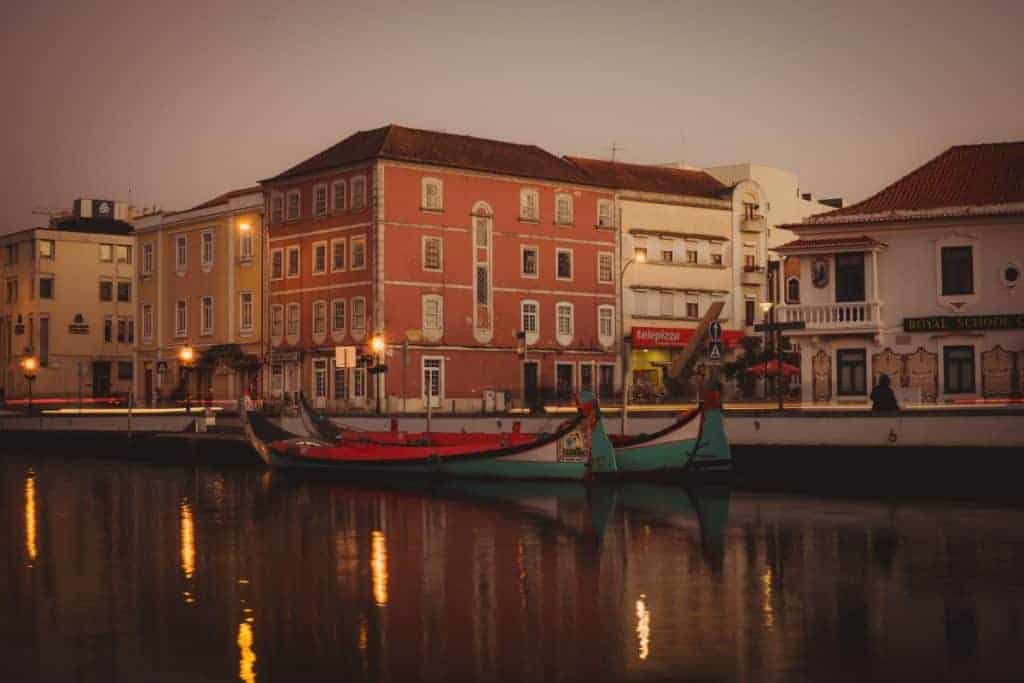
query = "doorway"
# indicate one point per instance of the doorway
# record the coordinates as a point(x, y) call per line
point(531, 395)
point(432, 381)
point(100, 379)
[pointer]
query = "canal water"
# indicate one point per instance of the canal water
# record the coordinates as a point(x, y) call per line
point(138, 572)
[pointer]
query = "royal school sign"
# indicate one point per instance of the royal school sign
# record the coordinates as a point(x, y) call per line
point(963, 323)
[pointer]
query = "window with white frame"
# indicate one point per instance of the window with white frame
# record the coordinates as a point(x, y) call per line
point(45, 248)
point(338, 253)
point(605, 267)
point(147, 322)
point(431, 197)
point(692, 308)
point(432, 253)
point(605, 213)
point(147, 259)
point(206, 252)
point(180, 318)
point(563, 209)
point(564, 323)
point(433, 315)
point(276, 321)
point(319, 200)
point(293, 261)
point(340, 383)
point(294, 204)
point(294, 316)
point(276, 208)
point(246, 312)
point(246, 239)
point(358, 193)
point(206, 317)
point(319, 258)
point(358, 261)
point(338, 195)
point(320, 378)
point(319, 319)
point(792, 290)
point(605, 324)
point(276, 264)
point(124, 253)
point(528, 264)
point(358, 307)
point(338, 317)
point(529, 205)
point(529, 320)
point(563, 264)
point(359, 383)
point(106, 253)
point(181, 253)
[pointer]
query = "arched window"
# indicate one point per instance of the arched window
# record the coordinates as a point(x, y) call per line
point(793, 290)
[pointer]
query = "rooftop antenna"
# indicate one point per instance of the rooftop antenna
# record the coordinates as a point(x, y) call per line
point(615, 149)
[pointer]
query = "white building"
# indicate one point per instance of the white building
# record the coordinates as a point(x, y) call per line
point(918, 282)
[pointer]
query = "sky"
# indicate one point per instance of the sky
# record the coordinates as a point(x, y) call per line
point(171, 103)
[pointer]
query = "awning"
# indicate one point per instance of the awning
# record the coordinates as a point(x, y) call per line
point(772, 368)
point(227, 354)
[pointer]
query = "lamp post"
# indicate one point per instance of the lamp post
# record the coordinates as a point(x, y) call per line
point(638, 257)
point(378, 346)
point(767, 318)
point(186, 356)
point(30, 367)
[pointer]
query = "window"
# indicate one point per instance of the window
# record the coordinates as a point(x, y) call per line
point(529, 317)
point(108, 329)
point(180, 318)
point(358, 253)
point(605, 213)
point(106, 290)
point(358, 193)
point(124, 291)
point(432, 368)
point(667, 304)
point(124, 253)
point(529, 205)
point(206, 250)
point(338, 254)
point(432, 253)
point(693, 310)
point(246, 311)
point(358, 314)
point(433, 316)
point(481, 223)
point(338, 316)
point(563, 209)
point(276, 208)
point(691, 256)
point(206, 316)
point(245, 242)
point(46, 249)
point(12, 254)
point(666, 255)
point(319, 258)
point(850, 277)
point(46, 287)
point(957, 271)
point(294, 204)
point(564, 322)
point(276, 264)
point(276, 378)
point(319, 318)
point(338, 195)
point(294, 311)
point(528, 261)
point(147, 258)
point(320, 200)
point(320, 376)
point(126, 331)
point(340, 383)
point(147, 321)
point(851, 371)
point(293, 261)
point(606, 324)
point(640, 254)
point(749, 311)
point(431, 198)
point(181, 253)
point(125, 370)
point(12, 290)
point(605, 268)
point(793, 290)
point(563, 264)
point(958, 365)
point(106, 252)
point(276, 321)
point(44, 340)
point(482, 285)
point(750, 210)
point(359, 383)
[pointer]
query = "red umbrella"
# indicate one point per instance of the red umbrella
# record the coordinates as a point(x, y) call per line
point(773, 369)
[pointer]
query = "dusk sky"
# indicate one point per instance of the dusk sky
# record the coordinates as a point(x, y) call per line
point(179, 101)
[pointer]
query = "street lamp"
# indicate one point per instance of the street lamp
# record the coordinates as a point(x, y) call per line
point(187, 357)
point(770, 332)
point(637, 257)
point(30, 367)
point(378, 345)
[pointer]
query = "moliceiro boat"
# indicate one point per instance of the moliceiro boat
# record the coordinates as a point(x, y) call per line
point(578, 449)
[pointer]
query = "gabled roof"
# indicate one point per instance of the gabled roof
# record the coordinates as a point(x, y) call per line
point(830, 244)
point(225, 198)
point(964, 180)
point(644, 178)
point(443, 149)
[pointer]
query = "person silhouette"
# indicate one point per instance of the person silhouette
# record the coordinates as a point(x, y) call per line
point(882, 396)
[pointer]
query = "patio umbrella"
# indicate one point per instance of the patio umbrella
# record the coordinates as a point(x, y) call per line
point(772, 368)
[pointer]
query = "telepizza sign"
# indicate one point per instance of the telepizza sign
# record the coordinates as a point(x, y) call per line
point(674, 337)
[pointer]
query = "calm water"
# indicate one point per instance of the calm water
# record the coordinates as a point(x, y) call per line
point(134, 572)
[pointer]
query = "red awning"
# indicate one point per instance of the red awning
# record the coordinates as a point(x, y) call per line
point(675, 337)
point(773, 369)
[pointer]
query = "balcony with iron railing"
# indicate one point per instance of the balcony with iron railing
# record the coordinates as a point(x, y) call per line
point(753, 223)
point(839, 317)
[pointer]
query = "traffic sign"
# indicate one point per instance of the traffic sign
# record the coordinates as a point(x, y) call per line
point(715, 350)
point(715, 330)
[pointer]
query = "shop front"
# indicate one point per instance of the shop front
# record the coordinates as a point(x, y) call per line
point(653, 351)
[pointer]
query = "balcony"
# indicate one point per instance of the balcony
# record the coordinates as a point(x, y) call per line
point(754, 223)
point(752, 275)
point(843, 317)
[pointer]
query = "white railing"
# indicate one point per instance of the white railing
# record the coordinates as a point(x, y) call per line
point(832, 316)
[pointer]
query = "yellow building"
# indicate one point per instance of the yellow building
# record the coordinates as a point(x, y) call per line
point(200, 287)
point(68, 300)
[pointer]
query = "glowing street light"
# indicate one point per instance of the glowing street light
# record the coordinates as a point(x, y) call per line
point(377, 344)
point(187, 358)
point(30, 368)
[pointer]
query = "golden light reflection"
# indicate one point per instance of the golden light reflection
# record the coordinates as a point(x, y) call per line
point(766, 598)
point(30, 516)
point(643, 627)
point(521, 564)
point(188, 540)
point(379, 567)
point(246, 655)
point(364, 633)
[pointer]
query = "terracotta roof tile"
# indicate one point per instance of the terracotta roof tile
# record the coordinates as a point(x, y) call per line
point(644, 178)
point(863, 241)
point(223, 198)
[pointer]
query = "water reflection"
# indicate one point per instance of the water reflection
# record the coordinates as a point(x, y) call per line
point(491, 581)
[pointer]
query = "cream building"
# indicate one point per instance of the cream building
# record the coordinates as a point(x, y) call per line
point(68, 300)
point(201, 279)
